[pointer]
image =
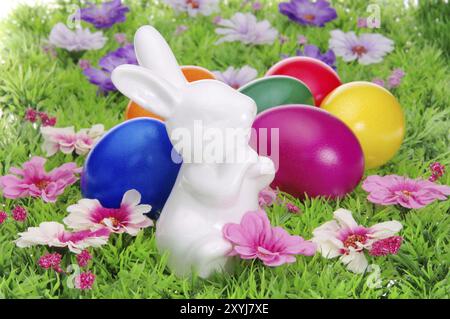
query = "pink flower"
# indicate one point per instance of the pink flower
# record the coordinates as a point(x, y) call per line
point(31, 115)
point(301, 39)
point(362, 23)
point(66, 140)
point(34, 181)
point(217, 19)
point(85, 280)
point(53, 234)
point(84, 64)
point(52, 261)
point(292, 208)
point(83, 258)
point(19, 213)
point(267, 197)
point(128, 218)
point(257, 6)
point(46, 120)
point(344, 238)
point(181, 29)
point(121, 38)
point(3, 217)
point(255, 238)
point(387, 246)
point(409, 193)
point(437, 171)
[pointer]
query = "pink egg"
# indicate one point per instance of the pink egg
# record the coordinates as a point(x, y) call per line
point(318, 155)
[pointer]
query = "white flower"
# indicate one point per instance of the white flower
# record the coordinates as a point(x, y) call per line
point(245, 28)
point(86, 138)
point(53, 234)
point(128, 218)
point(78, 40)
point(194, 7)
point(344, 238)
point(368, 48)
point(236, 77)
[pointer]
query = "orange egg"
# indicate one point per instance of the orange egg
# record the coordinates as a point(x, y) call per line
point(192, 73)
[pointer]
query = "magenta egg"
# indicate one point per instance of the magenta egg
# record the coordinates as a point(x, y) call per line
point(314, 152)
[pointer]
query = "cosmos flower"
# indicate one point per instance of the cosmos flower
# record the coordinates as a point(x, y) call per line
point(344, 238)
point(245, 28)
point(255, 238)
point(67, 140)
point(105, 15)
point(102, 77)
point(32, 180)
point(409, 193)
point(78, 40)
point(128, 218)
point(194, 7)
point(236, 77)
point(307, 12)
point(53, 234)
point(367, 48)
point(312, 51)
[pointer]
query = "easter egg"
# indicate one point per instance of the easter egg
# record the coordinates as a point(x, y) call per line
point(318, 76)
point(373, 114)
point(192, 73)
point(315, 153)
point(277, 90)
point(135, 154)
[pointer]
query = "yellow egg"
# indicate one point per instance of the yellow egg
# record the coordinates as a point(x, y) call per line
point(373, 114)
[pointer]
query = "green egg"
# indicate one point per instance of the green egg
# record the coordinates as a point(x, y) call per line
point(278, 90)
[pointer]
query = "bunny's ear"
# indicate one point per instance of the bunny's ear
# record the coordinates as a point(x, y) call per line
point(146, 89)
point(154, 53)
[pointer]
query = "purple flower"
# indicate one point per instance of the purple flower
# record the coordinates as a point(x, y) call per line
point(312, 51)
point(302, 40)
point(121, 38)
point(84, 64)
point(237, 77)
point(106, 15)
point(257, 6)
point(362, 23)
point(378, 81)
point(181, 29)
point(409, 193)
point(245, 28)
point(395, 78)
point(79, 40)
point(102, 77)
point(307, 12)
point(367, 48)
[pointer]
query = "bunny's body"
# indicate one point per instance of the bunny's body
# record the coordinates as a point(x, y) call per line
point(206, 194)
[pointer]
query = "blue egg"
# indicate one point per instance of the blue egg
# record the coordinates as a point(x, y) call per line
point(135, 154)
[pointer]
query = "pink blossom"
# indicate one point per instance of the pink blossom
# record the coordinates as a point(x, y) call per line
point(257, 6)
point(362, 23)
point(409, 193)
point(52, 261)
point(47, 120)
point(301, 39)
point(378, 81)
point(19, 213)
point(255, 238)
point(53, 234)
point(387, 246)
point(437, 171)
point(217, 19)
point(83, 258)
point(181, 29)
point(31, 115)
point(32, 180)
point(344, 238)
point(84, 64)
point(121, 38)
point(3, 217)
point(267, 197)
point(128, 218)
point(85, 280)
point(66, 140)
point(292, 208)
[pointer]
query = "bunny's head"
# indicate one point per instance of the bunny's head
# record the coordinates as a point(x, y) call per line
point(159, 86)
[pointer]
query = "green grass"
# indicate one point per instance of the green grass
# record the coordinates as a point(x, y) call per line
point(131, 267)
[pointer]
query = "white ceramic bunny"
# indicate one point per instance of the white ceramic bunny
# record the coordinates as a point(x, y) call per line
point(205, 195)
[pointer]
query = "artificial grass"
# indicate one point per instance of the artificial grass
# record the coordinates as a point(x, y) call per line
point(130, 267)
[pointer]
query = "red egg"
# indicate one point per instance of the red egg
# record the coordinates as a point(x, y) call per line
point(320, 78)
